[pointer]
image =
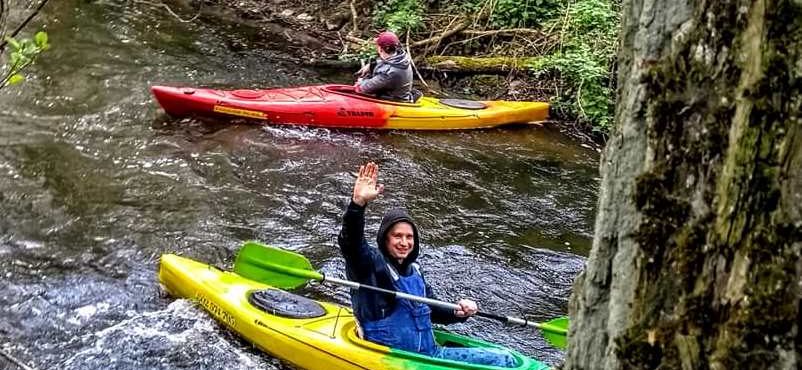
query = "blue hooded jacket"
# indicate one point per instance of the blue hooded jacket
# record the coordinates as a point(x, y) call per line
point(368, 265)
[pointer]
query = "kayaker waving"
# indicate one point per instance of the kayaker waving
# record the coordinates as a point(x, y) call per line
point(391, 78)
point(398, 323)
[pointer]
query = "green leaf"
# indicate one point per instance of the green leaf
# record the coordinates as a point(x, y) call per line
point(41, 39)
point(14, 43)
point(14, 59)
point(28, 48)
point(15, 79)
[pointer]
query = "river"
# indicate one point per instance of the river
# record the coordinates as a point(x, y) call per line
point(96, 183)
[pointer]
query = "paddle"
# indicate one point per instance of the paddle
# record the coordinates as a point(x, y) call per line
point(287, 270)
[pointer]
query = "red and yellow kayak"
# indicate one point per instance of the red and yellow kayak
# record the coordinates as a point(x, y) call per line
point(338, 106)
point(309, 334)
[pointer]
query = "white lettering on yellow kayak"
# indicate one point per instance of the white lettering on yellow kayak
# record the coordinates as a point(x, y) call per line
point(239, 112)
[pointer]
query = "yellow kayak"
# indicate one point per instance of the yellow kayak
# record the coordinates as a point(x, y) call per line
point(309, 334)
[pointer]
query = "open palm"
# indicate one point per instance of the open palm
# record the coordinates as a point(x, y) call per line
point(366, 187)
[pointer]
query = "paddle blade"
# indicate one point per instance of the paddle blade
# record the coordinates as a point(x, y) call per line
point(556, 332)
point(276, 267)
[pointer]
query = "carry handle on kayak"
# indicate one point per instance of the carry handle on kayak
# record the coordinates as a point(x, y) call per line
point(289, 270)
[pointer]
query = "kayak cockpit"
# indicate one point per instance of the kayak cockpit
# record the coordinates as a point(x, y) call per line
point(445, 339)
point(350, 92)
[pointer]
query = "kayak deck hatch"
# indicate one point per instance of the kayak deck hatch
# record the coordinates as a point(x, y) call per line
point(280, 303)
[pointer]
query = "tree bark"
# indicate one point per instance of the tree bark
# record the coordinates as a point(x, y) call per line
point(696, 260)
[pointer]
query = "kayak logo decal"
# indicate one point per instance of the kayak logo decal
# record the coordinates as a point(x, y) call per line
point(215, 310)
point(239, 112)
point(354, 113)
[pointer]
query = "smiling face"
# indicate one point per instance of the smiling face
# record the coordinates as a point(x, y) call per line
point(400, 241)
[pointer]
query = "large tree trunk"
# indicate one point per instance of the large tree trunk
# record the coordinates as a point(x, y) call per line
point(696, 258)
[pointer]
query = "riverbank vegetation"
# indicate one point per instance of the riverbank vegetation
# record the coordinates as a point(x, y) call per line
point(563, 49)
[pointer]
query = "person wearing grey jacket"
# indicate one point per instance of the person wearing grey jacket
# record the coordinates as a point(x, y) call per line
point(391, 78)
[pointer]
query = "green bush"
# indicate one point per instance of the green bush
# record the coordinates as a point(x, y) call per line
point(365, 52)
point(399, 15)
point(584, 59)
point(586, 30)
point(519, 13)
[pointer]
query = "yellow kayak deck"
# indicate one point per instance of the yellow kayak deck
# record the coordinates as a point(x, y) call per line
point(328, 342)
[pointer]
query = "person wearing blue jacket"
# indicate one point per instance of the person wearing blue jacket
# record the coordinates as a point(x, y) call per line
point(395, 322)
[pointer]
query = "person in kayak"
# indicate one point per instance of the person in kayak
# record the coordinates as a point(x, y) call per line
point(391, 78)
point(398, 323)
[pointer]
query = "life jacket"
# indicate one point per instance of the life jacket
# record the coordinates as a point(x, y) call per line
point(409, 326)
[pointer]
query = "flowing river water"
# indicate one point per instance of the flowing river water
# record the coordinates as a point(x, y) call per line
point(96, 183)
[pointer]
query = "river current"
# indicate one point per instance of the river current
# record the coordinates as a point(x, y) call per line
point(96, 182)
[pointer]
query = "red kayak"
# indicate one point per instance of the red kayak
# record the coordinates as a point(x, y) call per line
point(339, 106)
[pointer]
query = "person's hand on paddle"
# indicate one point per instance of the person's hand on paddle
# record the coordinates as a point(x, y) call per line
point(366, 188)
point(466, 308)
point(364, 71)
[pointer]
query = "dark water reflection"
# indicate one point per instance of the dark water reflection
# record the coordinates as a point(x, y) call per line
point(95, 184)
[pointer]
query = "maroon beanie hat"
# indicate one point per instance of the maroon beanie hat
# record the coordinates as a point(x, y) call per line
point(387, 39)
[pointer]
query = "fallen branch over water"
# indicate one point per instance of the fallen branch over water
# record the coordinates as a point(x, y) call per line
point(504, 32)
point(482, 64)
point(447, 33)
point(460, 29)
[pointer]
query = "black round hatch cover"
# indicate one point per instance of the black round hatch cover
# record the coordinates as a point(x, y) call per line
point(285, 304)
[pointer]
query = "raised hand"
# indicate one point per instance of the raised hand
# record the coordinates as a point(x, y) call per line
point(366, 187)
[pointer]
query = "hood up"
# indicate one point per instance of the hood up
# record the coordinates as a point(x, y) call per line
point(398, 60)
point(392, 217)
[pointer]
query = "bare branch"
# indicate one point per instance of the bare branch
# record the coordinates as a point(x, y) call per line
point(162, 5)
point(505, 32)
point(354, 39)
point(463, 25)
point(354, 17)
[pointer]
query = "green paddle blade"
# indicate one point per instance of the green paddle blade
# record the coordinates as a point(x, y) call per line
point(274, 266)
point(556, 331)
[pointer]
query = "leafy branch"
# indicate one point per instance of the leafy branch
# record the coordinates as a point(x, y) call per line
point(23, 53)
